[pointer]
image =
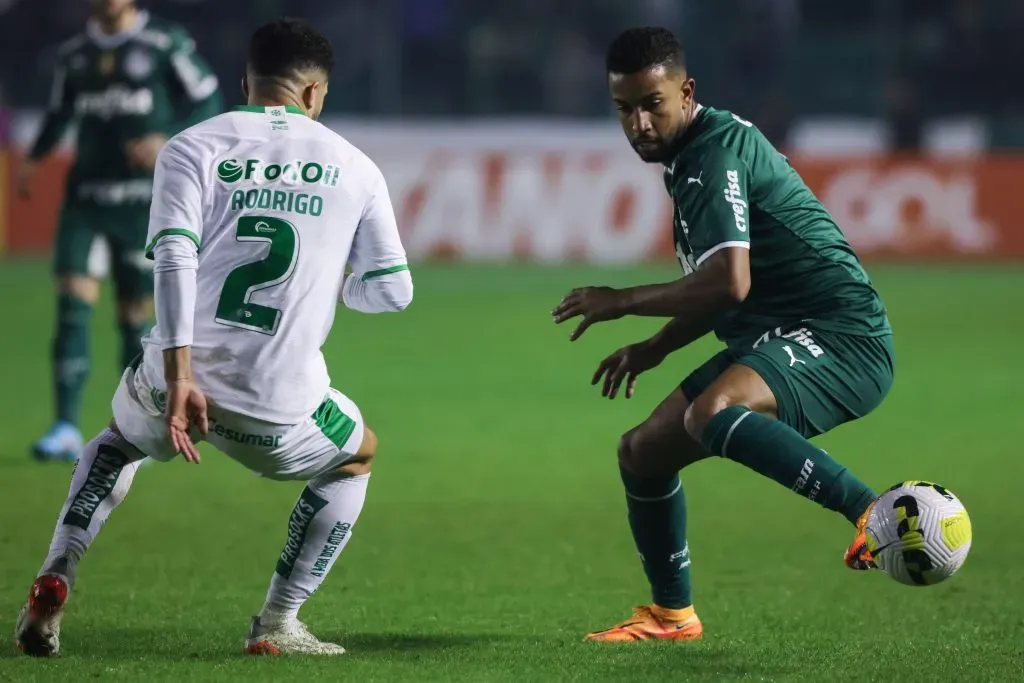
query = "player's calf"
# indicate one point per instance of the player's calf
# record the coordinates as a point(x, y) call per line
point(99, 484)
point(71, 360)
point(729, 418)
point(650, 456)
point(319, 528)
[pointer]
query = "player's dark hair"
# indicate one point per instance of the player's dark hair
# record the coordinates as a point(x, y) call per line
point(286, 46)
point(641, 48)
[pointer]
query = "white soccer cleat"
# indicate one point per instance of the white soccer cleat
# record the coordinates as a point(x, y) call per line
point(289, 636)
point(38, 630)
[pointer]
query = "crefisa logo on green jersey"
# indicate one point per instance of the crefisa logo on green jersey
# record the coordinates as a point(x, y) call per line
point(734, 195)
point(289, 173)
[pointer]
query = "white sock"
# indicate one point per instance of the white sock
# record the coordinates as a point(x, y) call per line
point(319, 528)
point(100, 482)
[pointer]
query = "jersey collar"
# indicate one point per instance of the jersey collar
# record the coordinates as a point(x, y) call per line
point(258, 109)
point(108, 41)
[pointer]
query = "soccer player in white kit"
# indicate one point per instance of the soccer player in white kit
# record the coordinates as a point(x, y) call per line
point(255, 215)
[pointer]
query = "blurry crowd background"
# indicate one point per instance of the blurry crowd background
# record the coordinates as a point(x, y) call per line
point(904, 61)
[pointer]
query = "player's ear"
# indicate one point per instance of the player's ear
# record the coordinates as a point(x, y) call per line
point(688, 87)
point(245, 86)
point(310, 95)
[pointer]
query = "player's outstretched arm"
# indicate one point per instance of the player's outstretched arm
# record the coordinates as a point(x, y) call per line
point(380, 281)
point(629, 362)
point(58, 116)
point(175, 271)
point(722, 281)
point(175, 233)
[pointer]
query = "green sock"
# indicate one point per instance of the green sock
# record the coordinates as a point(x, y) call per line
point(657, 517)
point(70, 356)
point(131, 341)
point(777, 451)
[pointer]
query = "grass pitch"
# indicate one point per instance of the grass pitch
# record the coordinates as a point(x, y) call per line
point(494, 534)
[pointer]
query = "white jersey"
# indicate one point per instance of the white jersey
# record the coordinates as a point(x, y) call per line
point(276, 205)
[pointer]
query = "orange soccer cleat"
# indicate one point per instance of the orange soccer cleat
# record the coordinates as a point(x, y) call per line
point(652, 622)
point(857, 555)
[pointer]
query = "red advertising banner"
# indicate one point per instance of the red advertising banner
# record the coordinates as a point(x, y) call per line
point(602, 205)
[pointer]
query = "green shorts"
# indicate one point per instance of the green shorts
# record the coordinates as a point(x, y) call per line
point(820, 379)
point(80, 236)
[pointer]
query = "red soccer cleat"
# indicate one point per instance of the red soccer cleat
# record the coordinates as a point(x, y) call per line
point(38, 630)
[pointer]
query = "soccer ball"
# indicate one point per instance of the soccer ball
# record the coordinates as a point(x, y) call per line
point(918, 533)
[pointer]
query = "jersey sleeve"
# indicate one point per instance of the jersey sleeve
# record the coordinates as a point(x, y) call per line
point(712, 200)
point(193, 75)
point(196, 84)
point(377, 248)
point(177, 197)
point(58, 114)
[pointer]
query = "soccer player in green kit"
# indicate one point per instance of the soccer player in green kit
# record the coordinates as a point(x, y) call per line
point(808, 345)
point(130, 81)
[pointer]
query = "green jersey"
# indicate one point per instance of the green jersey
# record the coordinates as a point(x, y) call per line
point(147, 79)
point(731, 188)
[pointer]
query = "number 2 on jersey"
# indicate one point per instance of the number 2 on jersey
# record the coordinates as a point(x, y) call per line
point(234, 307)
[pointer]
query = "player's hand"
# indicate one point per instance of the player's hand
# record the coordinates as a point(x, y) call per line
point(595, 304)
point(626, 364)
point(186, 406)
point(24, 176)
point(142, 152)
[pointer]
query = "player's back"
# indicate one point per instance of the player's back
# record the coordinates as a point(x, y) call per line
point(282, 197)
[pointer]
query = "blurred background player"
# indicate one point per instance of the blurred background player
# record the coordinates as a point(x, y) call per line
point(130, 81)
point(292, 204)
point(808, 341)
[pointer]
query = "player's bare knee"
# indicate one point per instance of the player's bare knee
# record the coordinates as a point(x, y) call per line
point(368, 448)
point(360, 462)
point(355, 467)
point(133, 311)
point(81, 287)
point(625, 450)
point(702, 410)
point(639, 454)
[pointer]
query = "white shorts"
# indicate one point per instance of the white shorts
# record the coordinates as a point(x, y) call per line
point(324, 441)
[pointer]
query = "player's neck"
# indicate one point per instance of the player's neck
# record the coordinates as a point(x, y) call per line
point(119, 24)
point(684, 135)
point(275, 99)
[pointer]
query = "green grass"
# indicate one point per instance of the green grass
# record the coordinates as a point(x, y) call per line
point(494, 534)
